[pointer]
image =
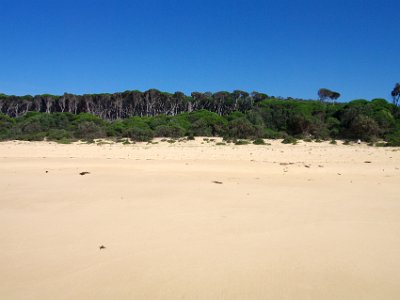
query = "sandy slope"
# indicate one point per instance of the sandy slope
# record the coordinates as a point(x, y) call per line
point(311, 221)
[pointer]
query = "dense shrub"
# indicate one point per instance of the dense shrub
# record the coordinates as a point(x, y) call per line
point(58, 134)
point(241, 142)
point(259, 141)
point(393, 140)
point(269, 133)
point(140, 134)
point(206, 123)
point(269, 118)
point(365, 128)
point(89, 130)
point(173, 131)
point(6, 124)
point(241, 128)
point(289, 140)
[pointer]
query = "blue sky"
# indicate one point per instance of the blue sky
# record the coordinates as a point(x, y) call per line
point(283, 48)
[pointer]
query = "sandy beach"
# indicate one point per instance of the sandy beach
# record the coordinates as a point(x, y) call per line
point(194, 220)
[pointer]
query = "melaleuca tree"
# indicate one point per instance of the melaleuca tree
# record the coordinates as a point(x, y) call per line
point(396, 94)
point(324, 94)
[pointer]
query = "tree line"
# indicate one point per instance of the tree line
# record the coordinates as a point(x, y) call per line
point(236, 115)
point(131, 103)
point(149, 103)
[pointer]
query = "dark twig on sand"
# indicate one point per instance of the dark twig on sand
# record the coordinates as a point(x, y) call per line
point(217, 182)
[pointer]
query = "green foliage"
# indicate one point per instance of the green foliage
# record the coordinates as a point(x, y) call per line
point(333, 127)
point(64, 141)
point(206, 123)
point(255, 118)
point(117, 128)
point(89, 130)
point(242, 128)
point(6, 124)
point(259, 141)
point(140, 134)
point(235, 115)
point(156, 121)
point(36, 122)
point(296, 118)
point(85, 117)
point(289, 140)
point(393, 140)
point(380, 144)
point(364, 128)
point(269, 133)
point(190, 137)
point(58, 135)
point(173, 131)
point(241, 142)
point(181, 121)
point(86, 127)
point(267, 118)
point(135, 128)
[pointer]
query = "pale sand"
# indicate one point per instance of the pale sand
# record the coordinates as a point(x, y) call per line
point(269, 231)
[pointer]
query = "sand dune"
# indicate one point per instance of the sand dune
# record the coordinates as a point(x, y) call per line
point(198, 221)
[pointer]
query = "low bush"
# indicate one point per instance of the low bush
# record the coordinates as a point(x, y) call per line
point(393, 141)
point(89, 130)
point(259, 141)
point(58, 134)
point(380, 144)
point(64, 141)
point(173, 131)
point(289, 140)
point(271, 134)
point(139, 134)
point(242, 142)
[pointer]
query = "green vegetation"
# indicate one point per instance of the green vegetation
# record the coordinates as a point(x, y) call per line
point(259, 141)
point(242, 142)
point(255, 118)
point(289, 140)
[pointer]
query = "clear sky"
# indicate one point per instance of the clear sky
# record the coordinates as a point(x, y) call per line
point(281, 47)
